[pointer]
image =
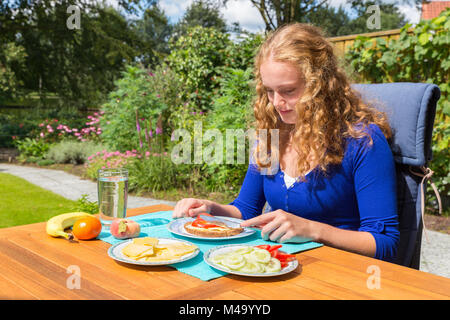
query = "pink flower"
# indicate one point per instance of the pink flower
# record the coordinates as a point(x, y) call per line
point(147, 153)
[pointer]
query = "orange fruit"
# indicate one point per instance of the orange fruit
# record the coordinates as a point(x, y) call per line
point(87, 228)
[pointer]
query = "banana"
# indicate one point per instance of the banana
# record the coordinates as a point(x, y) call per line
point(57, 224)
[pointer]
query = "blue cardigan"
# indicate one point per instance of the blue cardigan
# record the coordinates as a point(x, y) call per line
point(359, 194)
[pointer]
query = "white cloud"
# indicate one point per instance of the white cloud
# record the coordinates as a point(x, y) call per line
point(411, 13)
point(245, 13)
point(174, 9)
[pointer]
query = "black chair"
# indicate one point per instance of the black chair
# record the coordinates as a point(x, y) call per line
point(411, 108)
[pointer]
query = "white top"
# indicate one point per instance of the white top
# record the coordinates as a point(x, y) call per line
point(288, 180)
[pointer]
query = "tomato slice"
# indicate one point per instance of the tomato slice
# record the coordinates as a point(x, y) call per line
point(201, 223)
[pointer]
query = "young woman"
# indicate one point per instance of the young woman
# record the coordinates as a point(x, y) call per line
point(336, 177)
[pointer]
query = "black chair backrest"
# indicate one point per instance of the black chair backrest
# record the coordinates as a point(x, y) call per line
point(411, 108)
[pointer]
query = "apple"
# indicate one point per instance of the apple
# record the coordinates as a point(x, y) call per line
point(125, 229)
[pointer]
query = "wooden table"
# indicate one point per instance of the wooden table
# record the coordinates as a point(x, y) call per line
point(36, 266)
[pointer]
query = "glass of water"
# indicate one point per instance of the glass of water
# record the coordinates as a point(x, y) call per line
point(112, 189)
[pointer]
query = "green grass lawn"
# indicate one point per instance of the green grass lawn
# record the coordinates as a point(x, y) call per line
point(22, 202)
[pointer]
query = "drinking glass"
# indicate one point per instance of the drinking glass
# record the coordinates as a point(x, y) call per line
point(112, 189)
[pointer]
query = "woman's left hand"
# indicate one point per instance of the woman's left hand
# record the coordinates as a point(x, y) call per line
point(281, 226)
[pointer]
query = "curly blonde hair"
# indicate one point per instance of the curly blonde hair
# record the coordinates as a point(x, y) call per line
point(328, 110)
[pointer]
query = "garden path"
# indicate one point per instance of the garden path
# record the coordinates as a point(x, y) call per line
point(435, 251)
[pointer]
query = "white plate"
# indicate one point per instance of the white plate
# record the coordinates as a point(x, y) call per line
point(177, 226)
point(292, 265)
point(115, 252)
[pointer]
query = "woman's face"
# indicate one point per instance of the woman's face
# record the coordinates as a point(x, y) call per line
point(284, 86)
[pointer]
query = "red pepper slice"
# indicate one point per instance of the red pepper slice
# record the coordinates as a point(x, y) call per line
point(285, 257)
point(274, 253)
point(264, 246)
point(272, 248)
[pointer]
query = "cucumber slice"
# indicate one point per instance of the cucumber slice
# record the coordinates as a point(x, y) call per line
point(251, 267)
point(260, 255)
point(243, 250)
point(273, 265)
point(233, 261)
point(218, 258)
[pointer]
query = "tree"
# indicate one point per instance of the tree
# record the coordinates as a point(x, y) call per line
point(338, 22)
point(10, 55)
point(203, 13)
point(154, 30)
point(278, 12)
point(390, 16)
point(333, 21)
point(79, 65)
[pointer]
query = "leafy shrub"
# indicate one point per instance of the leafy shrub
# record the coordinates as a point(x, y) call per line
point(15, 125)
point(84, 205)
point(32, 148)
point(169, 87)
point(240, 53)
point(155, 173)
point(132, 108)
point(104, 159)
point(45, 162)
point(419, 57)
point(232, 109)
point(195, 57)
point(71, 151)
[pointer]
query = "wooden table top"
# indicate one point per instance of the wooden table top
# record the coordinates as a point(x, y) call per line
point(36, 266)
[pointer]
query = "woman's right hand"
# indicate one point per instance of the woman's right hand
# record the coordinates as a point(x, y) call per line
point(190, 207)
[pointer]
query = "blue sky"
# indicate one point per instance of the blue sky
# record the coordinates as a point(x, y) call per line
point(249, 18)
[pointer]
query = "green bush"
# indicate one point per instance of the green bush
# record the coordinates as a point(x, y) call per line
point(71, 151)
point(195, 57)
point(132, 108)
point(419, 57)
point(154, 173)
point(32, 148)
point(232, 109)
point(84, 205)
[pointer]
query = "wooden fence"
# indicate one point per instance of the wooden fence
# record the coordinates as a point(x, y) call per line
point(342, 43)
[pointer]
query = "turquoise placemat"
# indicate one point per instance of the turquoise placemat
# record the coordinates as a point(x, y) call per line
point(155, 225)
